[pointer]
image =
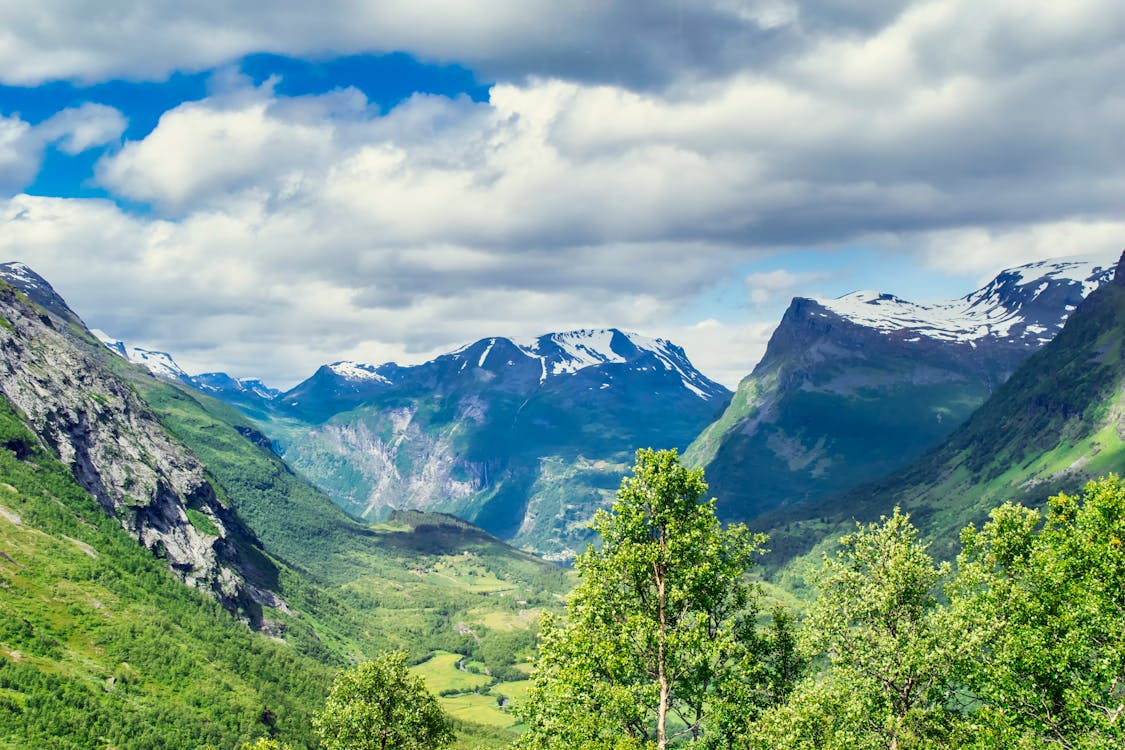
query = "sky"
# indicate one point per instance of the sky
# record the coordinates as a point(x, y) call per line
point(260, 188)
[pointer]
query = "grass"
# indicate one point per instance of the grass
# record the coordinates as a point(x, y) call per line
point(442, 675)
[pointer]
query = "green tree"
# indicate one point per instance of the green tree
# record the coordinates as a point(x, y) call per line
point(1040, 605)
point(660, 630)
point(264, 743)
point(380, 705)
point(877, 623)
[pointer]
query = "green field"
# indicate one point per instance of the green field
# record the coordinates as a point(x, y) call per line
point(472, 696)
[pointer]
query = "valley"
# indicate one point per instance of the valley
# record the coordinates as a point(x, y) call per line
point(202, 554)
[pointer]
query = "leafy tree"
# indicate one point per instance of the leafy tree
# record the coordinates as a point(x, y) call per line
point(889, 659)
point(660, 630)
point(264, 743)
point(1040, 604)
point(380, 705)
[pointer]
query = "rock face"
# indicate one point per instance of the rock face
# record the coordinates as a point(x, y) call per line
point(50, 369)
point(854, 388)
point(524, 438)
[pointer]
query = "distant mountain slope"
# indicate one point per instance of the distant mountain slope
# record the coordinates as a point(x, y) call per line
point(854, 388)
point(1057, 422)
point(526, 439)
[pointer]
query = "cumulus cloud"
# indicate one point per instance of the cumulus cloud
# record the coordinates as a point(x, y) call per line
point(767, 287)
point(639, 44)
point(79, 128)
point(20, 154)
point(631, 157)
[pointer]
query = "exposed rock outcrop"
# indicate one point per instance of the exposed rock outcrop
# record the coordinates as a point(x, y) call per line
point(116, 447)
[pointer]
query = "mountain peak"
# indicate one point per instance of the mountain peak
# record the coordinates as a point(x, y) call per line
point(1119, 274)
point(160, 364)
point(27, 281)
point(1022, 303)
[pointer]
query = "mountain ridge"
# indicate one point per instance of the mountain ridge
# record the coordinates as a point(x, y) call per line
point(854, 388)
point(1057, 422)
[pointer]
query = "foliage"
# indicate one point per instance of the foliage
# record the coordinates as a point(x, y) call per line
point(1040, 603)
point(877, 622)
point(661, 628)
point(264, 743)
point(101, 645)
point(380, 705)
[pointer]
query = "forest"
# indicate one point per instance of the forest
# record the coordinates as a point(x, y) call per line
point(1017, 643)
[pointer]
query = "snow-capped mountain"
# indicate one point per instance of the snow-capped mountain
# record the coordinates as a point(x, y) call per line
point(524, 364)
point(248, 393)
point(220, 382)
point(160, 364)
point(853, 388)
point(525, 437)
point(1027, 303)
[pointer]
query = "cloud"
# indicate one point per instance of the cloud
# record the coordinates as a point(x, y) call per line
point(638, 44)
point(87, 126)
point(631, 157)
point(20, 154)
point(983, 250)
point(767, 287)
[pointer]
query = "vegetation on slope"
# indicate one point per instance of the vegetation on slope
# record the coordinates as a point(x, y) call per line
point(101, 645)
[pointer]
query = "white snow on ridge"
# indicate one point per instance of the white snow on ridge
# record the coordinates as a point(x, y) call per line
point(582, 349)
point(160, 364)
point(592, 347)
point(356, 371)
point(20, 272)
point(977, 315)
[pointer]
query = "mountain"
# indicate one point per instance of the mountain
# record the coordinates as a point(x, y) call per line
point(1057, 422)
point(117, 488)
point(118, 450)
point(852, 389)
point(525, 438)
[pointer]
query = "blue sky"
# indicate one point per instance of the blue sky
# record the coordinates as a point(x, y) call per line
point(263, 188)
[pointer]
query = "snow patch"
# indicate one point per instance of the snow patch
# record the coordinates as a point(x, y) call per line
point(987, 312)
point(357, 372)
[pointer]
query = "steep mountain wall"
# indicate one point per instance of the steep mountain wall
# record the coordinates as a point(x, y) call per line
point(119, 452)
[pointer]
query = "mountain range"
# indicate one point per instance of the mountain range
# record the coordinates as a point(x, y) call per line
point(1056, 423)
point(528, 438)
point(851, 389)
point(147, 524)
point(147, 531)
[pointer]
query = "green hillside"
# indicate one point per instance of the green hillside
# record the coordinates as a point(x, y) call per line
point(424, 582)
point(100, 645)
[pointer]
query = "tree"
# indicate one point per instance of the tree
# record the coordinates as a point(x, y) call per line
point(1040, 604)
point(661, 624)
point(877, 622)
point(380, 705)
point(264, 743)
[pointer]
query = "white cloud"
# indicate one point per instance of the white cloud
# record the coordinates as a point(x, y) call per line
point(766, 287)
point(981, 251)
point(633, 155)
point(20, 153)
point(86, 126)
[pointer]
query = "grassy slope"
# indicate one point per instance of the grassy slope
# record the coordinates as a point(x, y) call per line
point(423, 582)
point(1053, 425)
point(101, 646)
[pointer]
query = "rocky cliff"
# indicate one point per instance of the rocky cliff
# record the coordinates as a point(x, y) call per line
point(55, 372)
